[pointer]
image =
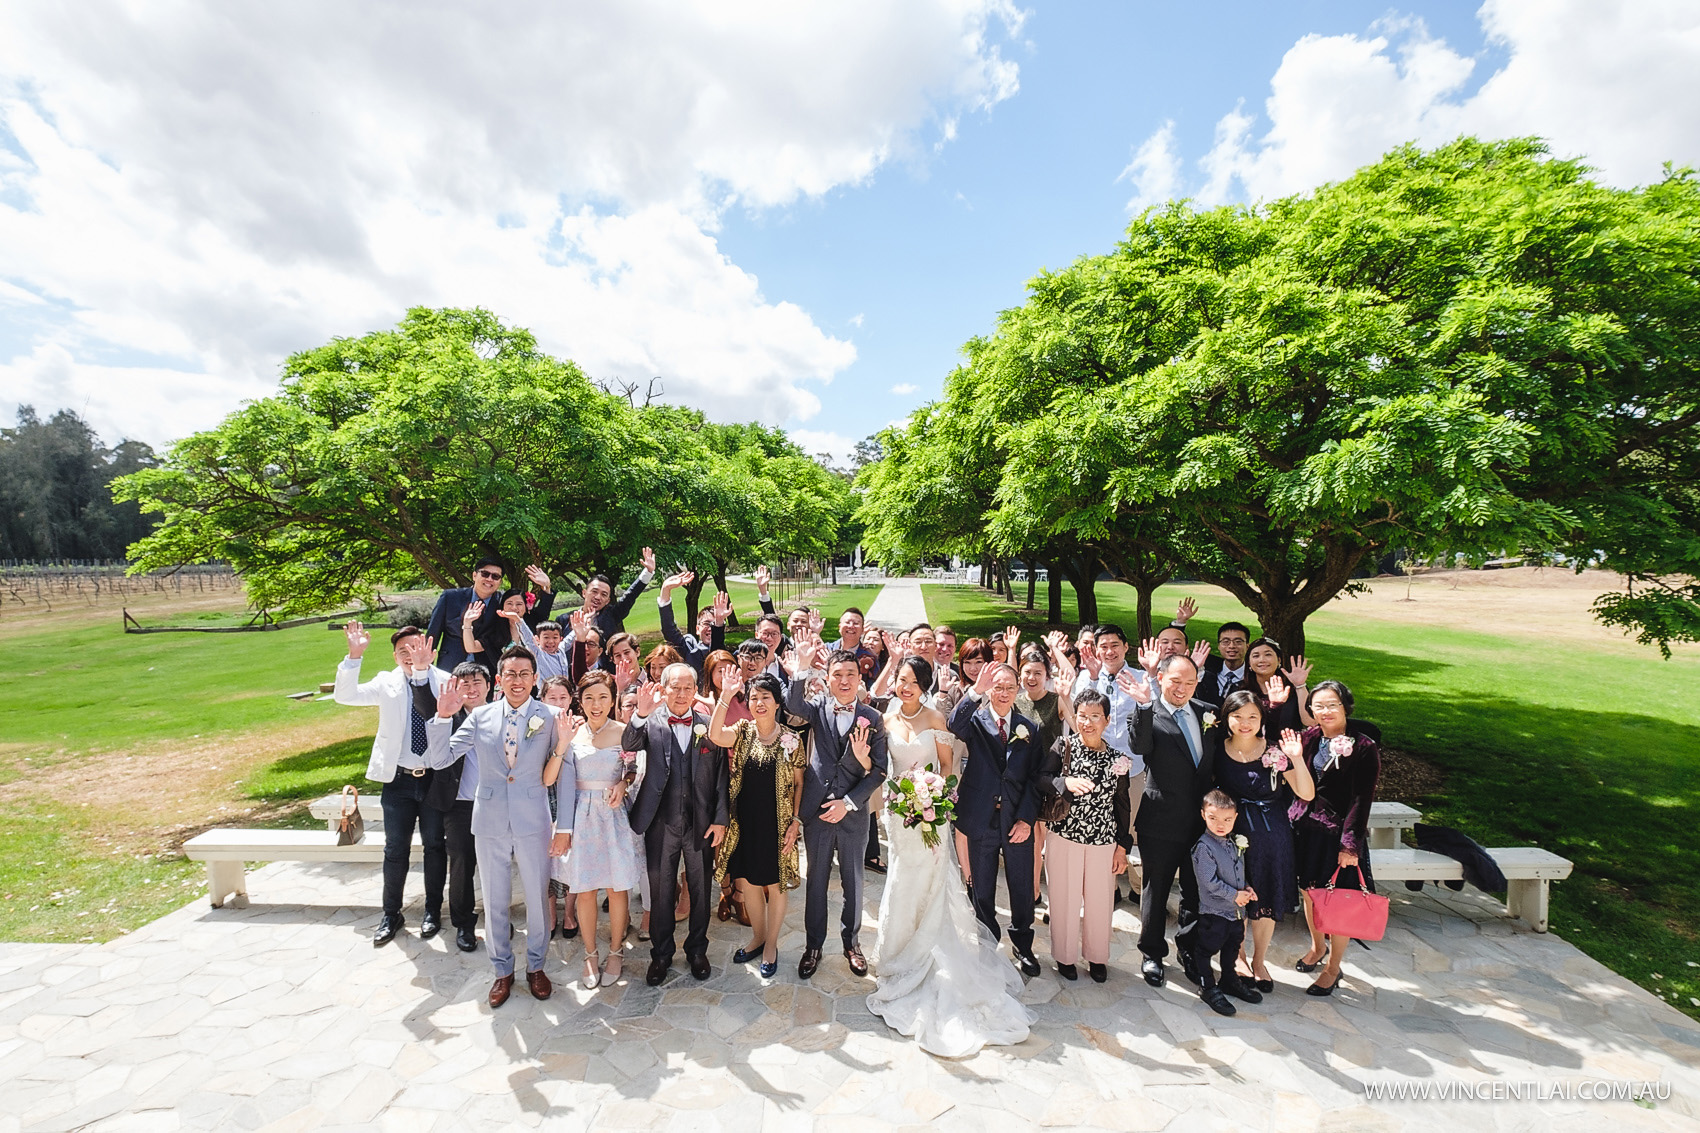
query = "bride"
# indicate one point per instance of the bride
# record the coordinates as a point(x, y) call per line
point(941, 980)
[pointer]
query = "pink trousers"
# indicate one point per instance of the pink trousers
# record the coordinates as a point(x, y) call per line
point(1079, 886)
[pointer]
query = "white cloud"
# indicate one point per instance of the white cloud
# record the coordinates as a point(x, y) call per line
point(1155, 169)
point(856, 319)
point(214, 191)
point(1615, 80)
point(835, 446)
point(904, 389)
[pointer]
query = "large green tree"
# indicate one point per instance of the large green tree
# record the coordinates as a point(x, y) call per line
point(1475, 349)
point(55, 499)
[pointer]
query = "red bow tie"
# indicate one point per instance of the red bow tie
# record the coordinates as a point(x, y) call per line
point(676, 720)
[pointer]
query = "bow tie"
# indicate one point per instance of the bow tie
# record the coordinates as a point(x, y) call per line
point(677, 720)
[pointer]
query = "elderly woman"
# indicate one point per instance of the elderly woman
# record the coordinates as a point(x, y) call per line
point(1332, 835)
point(760, 847)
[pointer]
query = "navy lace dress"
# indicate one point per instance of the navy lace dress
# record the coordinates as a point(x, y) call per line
point(1269, 868)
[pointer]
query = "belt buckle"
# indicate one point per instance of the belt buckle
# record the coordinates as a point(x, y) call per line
point(416, 772)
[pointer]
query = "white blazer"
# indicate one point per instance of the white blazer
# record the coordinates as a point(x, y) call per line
point(393, 696)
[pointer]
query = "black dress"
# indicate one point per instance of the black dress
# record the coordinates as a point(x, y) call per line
point(1263, 820)
point(756, 856)
point(1338, 817)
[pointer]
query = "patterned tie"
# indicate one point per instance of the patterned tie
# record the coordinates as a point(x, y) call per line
point(510, 739)
point(1003, 732)
point(418, 729)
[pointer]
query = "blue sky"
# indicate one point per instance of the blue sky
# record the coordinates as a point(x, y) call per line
point(786, 212)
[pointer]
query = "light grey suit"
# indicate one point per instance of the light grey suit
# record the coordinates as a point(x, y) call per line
point(510, 819)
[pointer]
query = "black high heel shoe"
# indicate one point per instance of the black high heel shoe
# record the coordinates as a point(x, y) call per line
point(1301, 966)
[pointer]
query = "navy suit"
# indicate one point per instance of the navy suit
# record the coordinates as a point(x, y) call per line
point(683, 793)
point(1168, 822)
point(490, 630)
point(997, 791)
point(692, 648)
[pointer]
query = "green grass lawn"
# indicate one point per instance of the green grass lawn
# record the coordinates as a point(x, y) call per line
point(1591, 753)
point(88, 692)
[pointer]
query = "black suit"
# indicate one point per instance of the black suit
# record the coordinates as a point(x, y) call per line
point(681, 796)
point(690, 647)
point(610, 619)
point(1209, 682)
point(996, 792)
point(1169, 822)
point(443, 793)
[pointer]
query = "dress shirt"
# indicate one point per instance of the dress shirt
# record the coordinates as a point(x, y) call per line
point(1229, 677)
point(1188, 722)
point(408, 758)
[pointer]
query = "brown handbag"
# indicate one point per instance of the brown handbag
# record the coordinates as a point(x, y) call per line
point(350, 826)
point(1056, 806)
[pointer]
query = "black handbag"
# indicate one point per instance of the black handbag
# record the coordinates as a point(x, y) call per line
point(1056, 806)
point(350, 826)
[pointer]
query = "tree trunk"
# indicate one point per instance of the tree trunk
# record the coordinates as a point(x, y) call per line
point(1032, 582)
point(1083, 573)
point(1285, 623)
point(1008, 587)
point(693, 593)
point(1053, 596)
point(986, 571)
point(1143, 630)
point(720, 566)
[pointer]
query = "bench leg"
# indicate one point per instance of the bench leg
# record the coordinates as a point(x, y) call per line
point(1383, 838)
point(225, 879)
point(1527, 898)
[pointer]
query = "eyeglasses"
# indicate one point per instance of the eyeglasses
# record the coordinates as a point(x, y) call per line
point(493, 576)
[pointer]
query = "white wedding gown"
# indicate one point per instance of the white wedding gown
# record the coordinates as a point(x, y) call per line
point(941, 979)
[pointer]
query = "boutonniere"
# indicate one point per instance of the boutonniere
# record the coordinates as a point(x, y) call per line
point(1021, 731)
point(1209, 720)
point(533, 726)
point(788, 741)
point(1121, 765)
point(1240, 844)
point(1338, 748)
point(699, 731)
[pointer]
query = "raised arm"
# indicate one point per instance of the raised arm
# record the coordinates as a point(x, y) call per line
point(718, 733)
point(623, 606)
point(349, 690)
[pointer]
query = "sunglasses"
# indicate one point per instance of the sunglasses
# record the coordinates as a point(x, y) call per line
point(493, 576)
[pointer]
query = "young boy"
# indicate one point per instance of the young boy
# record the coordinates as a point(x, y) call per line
point(1219, 864)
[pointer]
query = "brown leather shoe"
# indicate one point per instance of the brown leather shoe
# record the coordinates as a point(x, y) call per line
point(858, 962)
point(501, 989)
point(539, 985)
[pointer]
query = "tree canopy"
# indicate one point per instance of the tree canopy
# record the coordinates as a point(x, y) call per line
point(400, 457)
point(55, 501)
point(1472, 349)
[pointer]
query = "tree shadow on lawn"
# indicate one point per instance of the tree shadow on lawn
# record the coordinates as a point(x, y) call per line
point(314, 773)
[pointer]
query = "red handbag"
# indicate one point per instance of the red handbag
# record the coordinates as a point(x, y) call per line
point(1356, 913)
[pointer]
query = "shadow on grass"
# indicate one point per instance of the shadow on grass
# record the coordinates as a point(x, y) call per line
point(321, 771)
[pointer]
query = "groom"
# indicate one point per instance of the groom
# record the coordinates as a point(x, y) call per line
point(996, 803)
point(835, 806)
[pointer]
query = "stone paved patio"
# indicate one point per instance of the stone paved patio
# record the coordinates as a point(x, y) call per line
point(283, 1016)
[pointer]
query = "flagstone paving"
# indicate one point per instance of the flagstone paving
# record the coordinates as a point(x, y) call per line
point(281, 1015)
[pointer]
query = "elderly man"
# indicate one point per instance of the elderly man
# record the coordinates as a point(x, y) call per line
point(996, 804)
point(836, 805)
point(607, 615)
point(401, 762)
point(680, 811)
point(1170, 736)
point(521, 750)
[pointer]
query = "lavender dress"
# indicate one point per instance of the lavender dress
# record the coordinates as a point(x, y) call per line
point(605, 852)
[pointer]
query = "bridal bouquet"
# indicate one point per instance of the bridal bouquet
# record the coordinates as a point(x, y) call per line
point(923, 798)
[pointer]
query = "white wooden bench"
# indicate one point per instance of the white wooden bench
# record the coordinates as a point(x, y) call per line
point(1528, 872)
point(227, 852)
point(1387, 824)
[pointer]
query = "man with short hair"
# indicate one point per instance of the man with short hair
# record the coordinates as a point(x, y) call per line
point(518, 745)
point(449, 615)
point(599, 606)
point(1224, 673)
point(1170, 734)
point(711, 622)
point(836, 806)
point(401, 761)
point(996, 804)
point(771, 633)
point(851, 624)
point(944, 639)
point(1105, 670)
point(680, 811)
point(451, 791)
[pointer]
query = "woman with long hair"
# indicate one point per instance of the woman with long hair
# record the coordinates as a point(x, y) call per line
point(1279, 688)
point(766, 788)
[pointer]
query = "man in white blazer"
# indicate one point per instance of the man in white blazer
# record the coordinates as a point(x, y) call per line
point(400, 762)
point(522, 749)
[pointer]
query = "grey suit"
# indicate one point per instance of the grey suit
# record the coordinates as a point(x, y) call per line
point(510, 819)
point(833, 772)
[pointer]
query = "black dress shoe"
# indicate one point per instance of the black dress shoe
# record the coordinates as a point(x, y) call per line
point(874, 865)
point(387, 928)
point(699, 966)
point(809, 963)
point(858, 962)
point(1239, 989)
point(1068, 971)
point(1152, 970)
point(1217, 1001)
point(657, 972)
point(1318, 989)
point(466, 940)
point(430, 925)
point(1189, 969)
point(568, 933)
point(1098, 972)
point(1264, 986)
point(1029, 963)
